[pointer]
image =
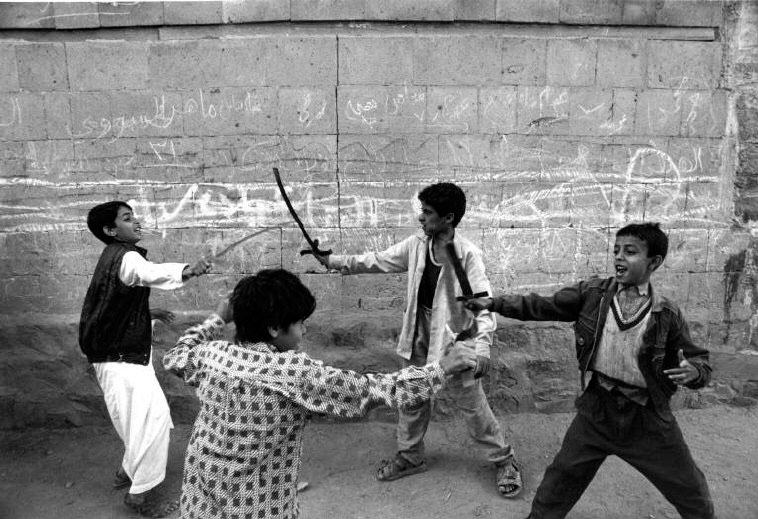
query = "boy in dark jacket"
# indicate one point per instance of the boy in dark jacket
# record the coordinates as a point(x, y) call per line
point(634, 349)
point(115, 334)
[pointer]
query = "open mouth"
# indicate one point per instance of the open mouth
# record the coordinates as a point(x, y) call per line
point(620, 270)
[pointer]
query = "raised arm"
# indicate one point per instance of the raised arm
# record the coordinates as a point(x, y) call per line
point(183, 359)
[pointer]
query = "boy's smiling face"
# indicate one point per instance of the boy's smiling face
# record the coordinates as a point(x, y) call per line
point(633, 266)
point(126, 228)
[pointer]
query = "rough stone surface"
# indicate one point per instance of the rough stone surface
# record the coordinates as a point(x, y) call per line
point(559, 134)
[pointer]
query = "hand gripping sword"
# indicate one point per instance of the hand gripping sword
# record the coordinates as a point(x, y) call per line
point(313, 243)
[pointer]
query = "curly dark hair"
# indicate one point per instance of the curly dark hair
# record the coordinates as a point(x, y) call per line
point(273, 298)
point(445, 198)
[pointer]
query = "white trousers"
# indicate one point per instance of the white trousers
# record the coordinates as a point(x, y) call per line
point(142, 419)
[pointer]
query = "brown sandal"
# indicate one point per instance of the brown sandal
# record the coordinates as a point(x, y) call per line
point(398, 467)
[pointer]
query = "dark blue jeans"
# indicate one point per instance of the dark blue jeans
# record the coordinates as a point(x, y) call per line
point(607, 424)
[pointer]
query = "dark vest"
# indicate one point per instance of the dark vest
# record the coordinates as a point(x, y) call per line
point(115, 323)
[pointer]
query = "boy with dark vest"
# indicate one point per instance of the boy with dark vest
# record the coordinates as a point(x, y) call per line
point(115, 334)
point(634, 349)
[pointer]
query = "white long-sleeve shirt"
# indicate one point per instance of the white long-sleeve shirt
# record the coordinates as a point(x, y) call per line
point(137, 271)
point(410, 256)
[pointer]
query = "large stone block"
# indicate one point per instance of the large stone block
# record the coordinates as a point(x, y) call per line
point(243, 11)
point(48, 160)
point(422, 10)
point(299, 61)
point(684, 65)
point(623, 113)
point(379, 158)
point(118, 65)
point(621, 63)
point(659, 112)
point(244, 63)
point(9, 80)
point(251, 158)
point(639, 12)
point(523, 61)
point(704, 113)
point(381, 59)
point(230, 111)
point(590, 111)
point(571, 62)
point(131, 14)
point(192, 13)
point(689, 13)
point(475, 10)
point(377, 109)
point(311, 10)
point(185, 64)
point(477, 158)
point(91, 116)
point(76, 15)
point(451, 110)
point(166, 160)
point(307, 110)
point(536, 11)
point(12, 160)
point(543, 110)
point(592, 12)
point(22, 116)
point(31, 15)
point(42, 66)
point(457, 59)
point(148, 113)
point(378, 204)
point(696, 159)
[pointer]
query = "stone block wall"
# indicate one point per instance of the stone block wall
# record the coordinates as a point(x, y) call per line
point(562, 120)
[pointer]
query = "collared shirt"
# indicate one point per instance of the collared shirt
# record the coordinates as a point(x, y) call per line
point(243, 457)
point(410, 256)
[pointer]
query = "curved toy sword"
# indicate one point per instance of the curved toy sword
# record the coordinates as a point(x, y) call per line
point(313, 243)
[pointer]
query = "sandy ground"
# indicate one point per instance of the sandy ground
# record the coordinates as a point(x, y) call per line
point(67, 473)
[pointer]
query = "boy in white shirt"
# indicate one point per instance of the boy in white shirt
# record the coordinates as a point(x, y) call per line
point(115, 334)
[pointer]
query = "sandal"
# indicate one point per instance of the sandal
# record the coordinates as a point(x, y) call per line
point(121, 480)
point(150, 505)
point(509, 482)
point(398, 467)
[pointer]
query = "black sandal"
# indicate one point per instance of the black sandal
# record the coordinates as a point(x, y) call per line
point(398, 467)
point(509, 482)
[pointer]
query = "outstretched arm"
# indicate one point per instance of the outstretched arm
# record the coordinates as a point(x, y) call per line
point(137, 271)
point(347, 394)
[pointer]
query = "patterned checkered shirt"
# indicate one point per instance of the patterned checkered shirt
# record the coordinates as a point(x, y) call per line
point(243, 456)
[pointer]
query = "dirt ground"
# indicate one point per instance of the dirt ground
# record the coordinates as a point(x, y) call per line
point(67, 473)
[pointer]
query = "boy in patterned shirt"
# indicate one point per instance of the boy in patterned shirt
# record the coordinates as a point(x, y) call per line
point(256, 393)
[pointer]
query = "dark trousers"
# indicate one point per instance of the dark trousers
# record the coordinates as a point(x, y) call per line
point(607, 423)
